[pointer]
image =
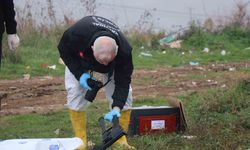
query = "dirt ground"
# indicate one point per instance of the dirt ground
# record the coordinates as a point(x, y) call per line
point(45, 94)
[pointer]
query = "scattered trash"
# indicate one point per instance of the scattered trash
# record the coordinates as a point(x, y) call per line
point(168, 39)
point(189, 137)
point(247, 48)
point(172, 40)
point(206, 50)
point(183, 53)
point(145, 54)
point(13, 88)
point(223, 86)
point(214, 83)
point(26, 76)
point(142, 47)
point(52, 67)
point(194, 63)
point(44, 66)
point(199, 68)
point(223, 52)
point(27, 67)
point(57, 131)
point(60, 61)
point(232, 69)
point(163, 52)
point(91, 144)
point(175, 44)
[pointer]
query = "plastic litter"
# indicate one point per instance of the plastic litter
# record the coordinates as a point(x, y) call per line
point(232, 69)
point(175, 44)
point(223, 52)
point(194, 63)
point(145, 54)
point(168, 39)
point(206, 50)
point(52, 67)
point(41, 144)
point(26, 76)
point(173, 36)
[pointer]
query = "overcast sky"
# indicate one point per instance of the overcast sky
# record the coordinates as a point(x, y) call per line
point(165, 13)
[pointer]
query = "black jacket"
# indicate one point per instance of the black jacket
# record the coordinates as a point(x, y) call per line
point(7, 17)
point(75, 50)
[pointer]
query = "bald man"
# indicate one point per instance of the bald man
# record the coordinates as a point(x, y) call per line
point(95, 44)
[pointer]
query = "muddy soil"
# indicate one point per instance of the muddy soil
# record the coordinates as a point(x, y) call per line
point(46, 94)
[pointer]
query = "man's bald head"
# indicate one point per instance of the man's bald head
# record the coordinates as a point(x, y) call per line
point(104, 49)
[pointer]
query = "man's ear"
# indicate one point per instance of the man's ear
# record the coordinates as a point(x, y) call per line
point(92, 47)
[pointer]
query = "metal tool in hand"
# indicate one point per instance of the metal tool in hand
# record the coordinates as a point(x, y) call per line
point(110, 135)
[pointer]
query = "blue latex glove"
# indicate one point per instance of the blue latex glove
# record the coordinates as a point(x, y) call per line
point(83, 81)
point(109, 116)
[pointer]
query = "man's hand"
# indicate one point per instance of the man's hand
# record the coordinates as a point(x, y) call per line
point(83, 81)
point(13, 41)
point(109, 116)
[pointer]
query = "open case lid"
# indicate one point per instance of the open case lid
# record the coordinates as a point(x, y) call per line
point(174, 102)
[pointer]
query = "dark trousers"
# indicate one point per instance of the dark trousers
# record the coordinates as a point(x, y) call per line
point(1, 35)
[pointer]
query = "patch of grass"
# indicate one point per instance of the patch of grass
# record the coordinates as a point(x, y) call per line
point(35, 126)
point(143, 81)
point(220, 117)
point(38, 50)
point(32, 57)
point(158, 58)
point(217, 119)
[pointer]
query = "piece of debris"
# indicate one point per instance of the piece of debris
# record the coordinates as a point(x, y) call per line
point(189, 137)
point(145, 54)
point(199, 68)
point(44, 66)
point(223, 86)
point(194, 63)
point(232, 69)
point(206, 50)
point(13, 88)
point(168, 39)
point(223, 52)
point(52, 67)
point(175, 44)
point(57, 132)
point(26, 76)
point(60, 61)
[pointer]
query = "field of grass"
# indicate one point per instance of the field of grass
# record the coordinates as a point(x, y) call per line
point(37, 51)
point(217, 119)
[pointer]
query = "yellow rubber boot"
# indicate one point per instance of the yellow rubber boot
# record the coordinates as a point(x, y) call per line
point(122, 143)
point(78, 120)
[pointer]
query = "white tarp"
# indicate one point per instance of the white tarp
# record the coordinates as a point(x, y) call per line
point(41, 144)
